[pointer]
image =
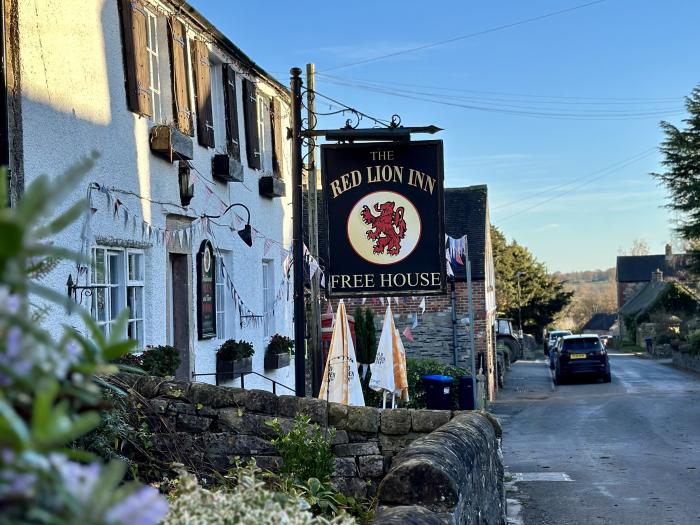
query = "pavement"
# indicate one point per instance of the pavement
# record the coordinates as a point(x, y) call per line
point(627, 452)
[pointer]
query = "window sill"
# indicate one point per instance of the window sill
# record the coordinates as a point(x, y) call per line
point(226, 169)
point(170, 144)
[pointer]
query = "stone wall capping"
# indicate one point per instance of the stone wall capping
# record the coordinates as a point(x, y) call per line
point(217, 396)
point(315, 409)
point(428, 420)
point(396, 421)
point(261, 401)
point(174, 389)
point(337, 415)
point(363, 419)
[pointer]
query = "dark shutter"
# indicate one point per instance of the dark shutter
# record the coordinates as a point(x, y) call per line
point(252, 140)
point(181, 99)
point(234, 147)
point(133, 17)
point(202, 85)
point(276, 122)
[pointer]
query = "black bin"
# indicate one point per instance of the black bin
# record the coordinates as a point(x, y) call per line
point(438, 392)
point(466, 393)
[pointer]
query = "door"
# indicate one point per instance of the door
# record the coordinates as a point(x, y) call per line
point(180, 312)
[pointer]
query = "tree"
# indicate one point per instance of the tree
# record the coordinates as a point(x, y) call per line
point(639, 247)
point(541, 296)
point(681, 161)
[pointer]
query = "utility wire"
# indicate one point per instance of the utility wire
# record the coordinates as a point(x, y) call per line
point(467, 36)
point(606, 171)
point(633, 158)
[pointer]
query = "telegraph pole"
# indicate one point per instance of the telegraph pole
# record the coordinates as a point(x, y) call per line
point(312, 203)
point(298, 233)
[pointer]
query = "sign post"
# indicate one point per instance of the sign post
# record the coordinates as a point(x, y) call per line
point(385, 218)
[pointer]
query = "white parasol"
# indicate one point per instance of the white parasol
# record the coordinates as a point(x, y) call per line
point(341, 381)
point(389, 367)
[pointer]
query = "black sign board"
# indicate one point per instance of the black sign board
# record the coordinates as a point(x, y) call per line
point(384, 203)
point(206, 292)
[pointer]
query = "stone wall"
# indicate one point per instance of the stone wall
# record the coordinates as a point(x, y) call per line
point(686, 360)
point(209, 426)
point(453, 475)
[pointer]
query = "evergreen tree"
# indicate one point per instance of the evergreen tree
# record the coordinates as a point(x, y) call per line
point(681, 160)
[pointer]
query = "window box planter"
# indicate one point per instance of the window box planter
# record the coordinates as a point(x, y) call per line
point(171, 144)
point(271, 187)
point(226, 169)
point(275, 361)
point(227, 370)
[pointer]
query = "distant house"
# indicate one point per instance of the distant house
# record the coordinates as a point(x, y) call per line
point(655, 301)
point(634, 271)
point(600, 324)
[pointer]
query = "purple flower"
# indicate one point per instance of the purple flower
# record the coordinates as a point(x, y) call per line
point(78, 479)
point(145, 506)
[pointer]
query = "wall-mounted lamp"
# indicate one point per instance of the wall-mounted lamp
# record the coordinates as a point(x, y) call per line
point(186, 189)
point(246, 234)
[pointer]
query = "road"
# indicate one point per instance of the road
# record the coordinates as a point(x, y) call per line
point(627, 452)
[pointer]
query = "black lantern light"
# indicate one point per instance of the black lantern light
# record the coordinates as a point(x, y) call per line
point(186, 189)
point(246, 234)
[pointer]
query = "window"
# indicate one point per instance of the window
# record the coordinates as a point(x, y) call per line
point(217, 99)
point(220, 294)
point(262, 118)
point(268, 297)
point(120, 277)
point(153, 66)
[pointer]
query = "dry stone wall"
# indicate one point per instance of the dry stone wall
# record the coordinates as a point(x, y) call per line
point(211, 426)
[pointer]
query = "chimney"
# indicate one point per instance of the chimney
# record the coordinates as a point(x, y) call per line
point(669, 251)
point(657, 275)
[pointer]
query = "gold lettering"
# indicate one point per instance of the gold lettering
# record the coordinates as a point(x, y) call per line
point(346, 281)
point(356, 178)
point(431, 183)
point(335, 187)
point(424, 281)
point(334, 280)
point(386, 279)
point(370, 177)
point(382, 155)
point(369, 280)
point(413, 282)
point(398, 174)
point(402, 276)
point(436, 278)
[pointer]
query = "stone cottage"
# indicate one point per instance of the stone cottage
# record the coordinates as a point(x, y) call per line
point(192, 168)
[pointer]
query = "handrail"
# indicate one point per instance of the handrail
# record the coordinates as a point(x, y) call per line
point(242, 374)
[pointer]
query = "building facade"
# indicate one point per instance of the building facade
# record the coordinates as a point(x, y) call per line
point(183, 125)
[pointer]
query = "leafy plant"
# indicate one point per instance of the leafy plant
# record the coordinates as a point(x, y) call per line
point(320, 496)
point(280, 344)
point(233, 350)
point(161, 361)
point(49, 388)
point(305, 450)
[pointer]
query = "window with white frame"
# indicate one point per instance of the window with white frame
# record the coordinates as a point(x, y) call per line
point(119, 275)
point(220, 295)
point(217, 104)
point(262, 137)
point(268, 297)
point(153, 66)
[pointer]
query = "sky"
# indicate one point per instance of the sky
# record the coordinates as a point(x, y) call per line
point(557, 112)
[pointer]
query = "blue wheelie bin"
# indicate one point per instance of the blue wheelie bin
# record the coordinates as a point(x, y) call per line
point(438, 392)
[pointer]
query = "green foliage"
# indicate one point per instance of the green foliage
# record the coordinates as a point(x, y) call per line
point(417, 368)
point(305, 449)
point(233, 350)
point(161, 361)
point(681, 161)
point(49, 395)
point(280, 344)
point(321, 496)
point(365, 335)
point(540, 296)
point(694, 340)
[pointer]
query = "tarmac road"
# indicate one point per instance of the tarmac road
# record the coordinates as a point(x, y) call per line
point(627, 452)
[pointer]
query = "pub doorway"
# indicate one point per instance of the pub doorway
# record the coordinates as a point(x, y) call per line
point(180, 311)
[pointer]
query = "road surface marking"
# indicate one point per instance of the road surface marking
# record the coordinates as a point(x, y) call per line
point(540, 476)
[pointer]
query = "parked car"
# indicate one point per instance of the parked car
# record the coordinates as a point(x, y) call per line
point(580, 354)
point(551, 339)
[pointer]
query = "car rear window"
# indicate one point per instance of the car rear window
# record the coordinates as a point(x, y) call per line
point(582, 344)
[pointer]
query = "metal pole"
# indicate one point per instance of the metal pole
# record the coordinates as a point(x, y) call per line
point(470, 307)
point(520, 304)
point(298, 232)
point(453, 300)
point(315, 321)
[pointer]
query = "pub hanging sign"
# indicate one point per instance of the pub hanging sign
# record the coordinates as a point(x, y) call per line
point(206, 291)
point(385, 218)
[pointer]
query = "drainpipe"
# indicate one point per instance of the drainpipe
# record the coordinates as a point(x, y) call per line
point(4, 129)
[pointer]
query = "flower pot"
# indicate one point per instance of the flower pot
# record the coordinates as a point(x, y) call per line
point(228, 370)
point(274, 361)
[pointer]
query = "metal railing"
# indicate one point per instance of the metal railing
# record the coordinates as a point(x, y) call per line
point(242, 375)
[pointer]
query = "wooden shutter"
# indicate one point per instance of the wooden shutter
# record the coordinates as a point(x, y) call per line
point(202, 85)
point(133, 17)
point(276, 122)
point(181, 99)
point(234, 147)
point(250, 113)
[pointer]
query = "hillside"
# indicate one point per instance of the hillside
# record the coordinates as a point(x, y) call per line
point(594, 292)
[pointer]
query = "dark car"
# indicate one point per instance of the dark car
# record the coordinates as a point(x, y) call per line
point(579, 355)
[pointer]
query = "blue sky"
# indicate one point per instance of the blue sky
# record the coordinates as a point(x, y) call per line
point(568, 106)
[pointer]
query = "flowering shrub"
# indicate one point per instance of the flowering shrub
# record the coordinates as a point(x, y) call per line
point(49, 392)
point(280, 344)
point(232, 350)
point(248, 503)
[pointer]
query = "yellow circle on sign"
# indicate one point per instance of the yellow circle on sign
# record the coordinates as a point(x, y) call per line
point(384, 227)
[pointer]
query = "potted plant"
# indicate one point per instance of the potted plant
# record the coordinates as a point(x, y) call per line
point(234, 358)
point(278, 351)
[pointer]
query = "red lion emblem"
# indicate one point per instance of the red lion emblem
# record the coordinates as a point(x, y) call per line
point(388, 229)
